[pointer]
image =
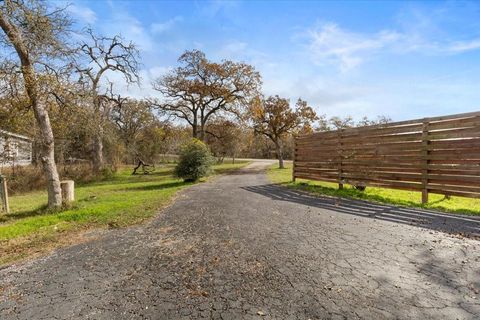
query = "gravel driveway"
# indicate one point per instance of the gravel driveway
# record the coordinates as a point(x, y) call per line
point(241, 248)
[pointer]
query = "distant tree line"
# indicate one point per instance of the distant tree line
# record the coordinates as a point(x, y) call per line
point(57, 90)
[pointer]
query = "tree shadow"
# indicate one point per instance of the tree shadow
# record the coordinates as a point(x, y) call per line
point(158, 173)
point(159, 186)
point(44, 210)
point(240, 171)
point(434, 220)
point(448, 274)
point(17, 215)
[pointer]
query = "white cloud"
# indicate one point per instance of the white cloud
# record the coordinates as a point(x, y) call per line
point(233, 49)
point(327, 95)
point(462, 46)
point(328, 44)
point(140, 91)
point(158, 28)
point(400, 100)
point(242, 52)
point(85, 14)
point(130, 28)
point(215, 7)
point(157, 71)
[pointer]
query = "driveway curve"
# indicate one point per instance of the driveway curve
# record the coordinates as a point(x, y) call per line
point(239, 247)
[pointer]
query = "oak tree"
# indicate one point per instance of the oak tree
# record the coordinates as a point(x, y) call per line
point(36, 34)
point(137, 126)
point(200, 89)
point(275, 118)
point(225, 138)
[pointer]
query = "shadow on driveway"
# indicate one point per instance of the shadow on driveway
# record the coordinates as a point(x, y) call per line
point(449, 223)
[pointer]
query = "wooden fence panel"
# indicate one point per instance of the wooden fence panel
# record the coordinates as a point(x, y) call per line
point(432, 155)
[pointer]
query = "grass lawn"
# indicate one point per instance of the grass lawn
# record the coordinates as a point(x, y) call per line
point(391, 196)
point(123, 200)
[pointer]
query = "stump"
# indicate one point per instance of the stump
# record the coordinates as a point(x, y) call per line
point(68, 191)
point(4, 207)
point(360, 187)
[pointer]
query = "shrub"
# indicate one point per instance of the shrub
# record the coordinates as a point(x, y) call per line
point(195, 161)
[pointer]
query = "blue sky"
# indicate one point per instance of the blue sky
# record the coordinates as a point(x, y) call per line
point(400, 59)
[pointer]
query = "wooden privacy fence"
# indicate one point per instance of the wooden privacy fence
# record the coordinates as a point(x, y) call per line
point(437, 155)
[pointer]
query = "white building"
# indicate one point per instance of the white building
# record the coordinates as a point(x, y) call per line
point(15, 149)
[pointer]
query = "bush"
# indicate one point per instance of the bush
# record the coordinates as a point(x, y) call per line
point(195, 161)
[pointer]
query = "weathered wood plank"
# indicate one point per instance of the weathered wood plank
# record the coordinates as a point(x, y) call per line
point(437, 154)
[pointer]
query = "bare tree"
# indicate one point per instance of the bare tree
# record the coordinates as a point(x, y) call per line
point(342, 123)
point(200, 89)
point(365, 121)
point(337, 123)
point(36, 35)
point(274, 118)
point(100, 55)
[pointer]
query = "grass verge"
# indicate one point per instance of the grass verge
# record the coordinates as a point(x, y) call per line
point(123, 200)
point(382, 195)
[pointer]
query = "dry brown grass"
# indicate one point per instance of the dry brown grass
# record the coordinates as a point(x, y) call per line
point(23, 179)
point(39, 245)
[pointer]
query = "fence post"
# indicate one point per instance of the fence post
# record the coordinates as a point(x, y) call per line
point(294, 157)
point(340, 152)
point(4, 195)
point(425, 154)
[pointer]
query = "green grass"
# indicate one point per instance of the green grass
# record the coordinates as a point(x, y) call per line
point(117, 202)
point(382, 195)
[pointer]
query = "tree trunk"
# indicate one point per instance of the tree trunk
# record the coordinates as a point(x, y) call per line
point(279, 150)
point(47, 147)
point(195, 130)
point(202, 133)
point(202, 125)
point(98, 161)
point(47, 156)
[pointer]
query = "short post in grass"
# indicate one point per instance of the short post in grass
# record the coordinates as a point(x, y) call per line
point(68, 191)
point(4, 207)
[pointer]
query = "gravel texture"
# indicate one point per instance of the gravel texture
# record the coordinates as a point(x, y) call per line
point(240, 248)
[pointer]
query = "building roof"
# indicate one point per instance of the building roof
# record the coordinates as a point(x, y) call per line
point(19, 136)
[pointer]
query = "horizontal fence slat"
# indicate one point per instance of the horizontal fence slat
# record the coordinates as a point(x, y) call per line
point(455, 123)
point(437, 154)
point(457, 193)
point(447, 187)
